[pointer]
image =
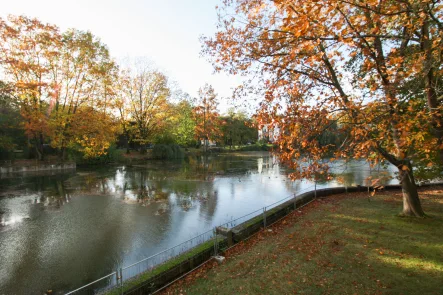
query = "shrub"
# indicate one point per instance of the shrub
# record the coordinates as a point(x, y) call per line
point(113, 155)
point(167, 152)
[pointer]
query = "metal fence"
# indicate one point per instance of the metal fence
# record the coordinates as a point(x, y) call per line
point(263, 211)
point(131, 275)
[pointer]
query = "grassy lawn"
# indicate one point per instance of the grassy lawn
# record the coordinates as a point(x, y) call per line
point(337, 245)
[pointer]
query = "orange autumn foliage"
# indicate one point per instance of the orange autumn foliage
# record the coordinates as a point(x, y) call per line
point(347, 62)
point(208, 121)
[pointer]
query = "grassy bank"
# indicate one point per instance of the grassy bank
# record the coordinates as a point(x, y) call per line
point(142, 278)
point(342, 244)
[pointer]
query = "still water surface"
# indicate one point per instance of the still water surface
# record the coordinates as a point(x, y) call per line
point(60, 232)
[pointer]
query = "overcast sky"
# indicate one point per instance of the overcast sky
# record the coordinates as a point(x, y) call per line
point(165, 31)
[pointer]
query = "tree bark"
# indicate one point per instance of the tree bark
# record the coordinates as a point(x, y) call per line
point(411, 201)
point(63, 154)
point(39, 147)
point(38, 153)
point(127, 142)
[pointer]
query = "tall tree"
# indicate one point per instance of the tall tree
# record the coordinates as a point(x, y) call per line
point(27, 50)
point(82, 77)
point(238, 128)
point(146, 96)
point(123, 106)
point(11, 133)
point(345, 61)
point(207, 119)
point(183, 124)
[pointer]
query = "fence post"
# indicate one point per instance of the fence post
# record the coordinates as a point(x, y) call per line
point(121, 280)
point(295, 201)
point(264, 217)
point(215, 241)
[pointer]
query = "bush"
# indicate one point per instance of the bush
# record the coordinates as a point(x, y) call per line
point(113, 155)
point(167, 152)
point(165, 139)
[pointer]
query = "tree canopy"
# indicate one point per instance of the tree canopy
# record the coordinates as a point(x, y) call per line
point(208, 122)
point(346, 61)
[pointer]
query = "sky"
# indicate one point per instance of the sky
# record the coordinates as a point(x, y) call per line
point(164, 31)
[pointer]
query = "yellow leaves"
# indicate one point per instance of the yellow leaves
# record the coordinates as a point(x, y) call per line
point(39, 56)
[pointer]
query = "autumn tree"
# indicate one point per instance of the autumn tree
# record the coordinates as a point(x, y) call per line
point(11, 134)
point(53, 75)
point(82, 77)
point(205, 114)
point(92, 131)
point(27, 49)
point(123, 106)
point(344, 61)
point(145, 96)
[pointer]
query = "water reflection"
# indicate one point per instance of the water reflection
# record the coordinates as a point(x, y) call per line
point(59, 232)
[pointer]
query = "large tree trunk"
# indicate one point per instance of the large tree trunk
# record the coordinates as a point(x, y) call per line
point(411, 201)
point(127, 145)
point(126, 139)
point(39, 147)
point(38, 153)
point(63, 154)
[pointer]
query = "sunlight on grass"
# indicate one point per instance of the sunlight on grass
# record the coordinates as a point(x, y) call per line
point(412, 263)
point(354, 218)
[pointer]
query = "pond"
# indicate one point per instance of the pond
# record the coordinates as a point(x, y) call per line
point(62, 231)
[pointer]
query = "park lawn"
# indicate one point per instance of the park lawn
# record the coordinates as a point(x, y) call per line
point(344, 244)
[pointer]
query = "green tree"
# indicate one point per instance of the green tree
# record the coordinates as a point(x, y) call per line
point(183, 124)
point(238, 128)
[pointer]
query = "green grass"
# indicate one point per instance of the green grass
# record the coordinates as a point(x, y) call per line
point(338, 245)
point(143, 277)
